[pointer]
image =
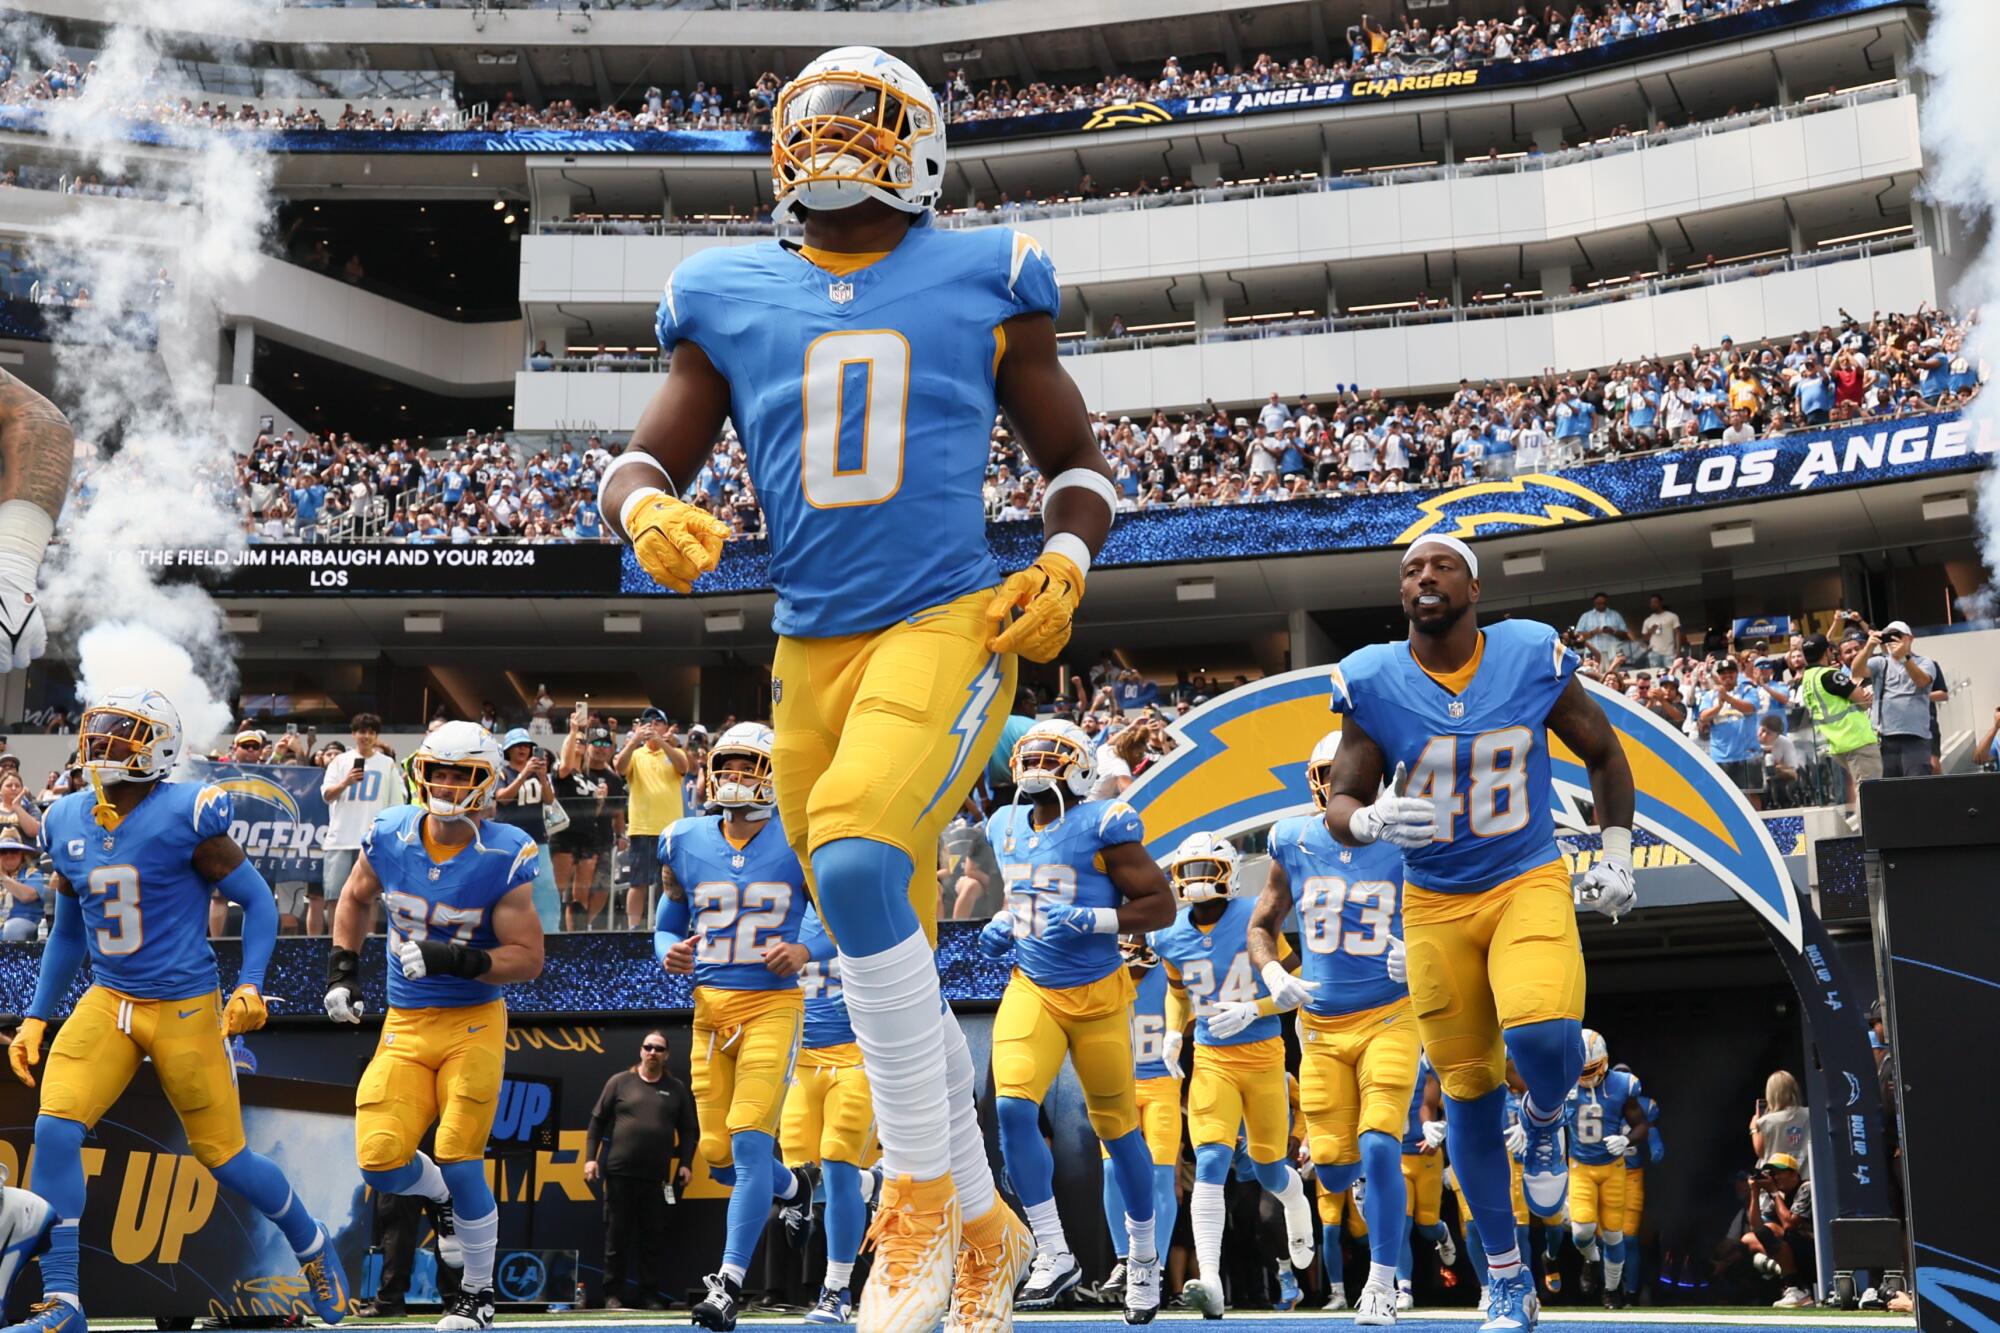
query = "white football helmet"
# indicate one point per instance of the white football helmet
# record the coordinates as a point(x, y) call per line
point(129, 735)
point(1051, 752)
point(733, 789)
point(1319, 767)
point(457, 745)
point(856, 124)
point(1596, 1059)
point(1202, 867)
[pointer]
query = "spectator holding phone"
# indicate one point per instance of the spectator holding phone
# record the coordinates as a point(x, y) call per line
point(595, 797)
point(1780, 1123)
point(523, 799)
point(652, 763)
point(1781, 764)
point(1728, 713)
point(24, 886)
point(358, 785)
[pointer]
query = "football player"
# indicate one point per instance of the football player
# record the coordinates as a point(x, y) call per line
point(1495, 962)
point(1357, 1037)
point(862, 366)
point(1606, 1120)
point(1636, 1162)
point(829, 1119)
point(1475, 1245)
point(1077, 877)
point(1423, 1187)
point(1159, 1022)
point(153, 992)
point(1337, 1213)
point(1239, 1079)
point(734, 897)
point(457, 887)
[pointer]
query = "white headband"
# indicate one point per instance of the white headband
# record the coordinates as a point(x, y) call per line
point(1452, 544)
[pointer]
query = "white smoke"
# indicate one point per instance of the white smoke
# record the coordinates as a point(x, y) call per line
point(160, 471)
point(1962, 173)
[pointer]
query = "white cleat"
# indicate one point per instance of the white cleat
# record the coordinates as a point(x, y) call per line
point(1142, 1291)
point(1447, 1250)
point(1378, 1306)
point(915, 1236)
point(1337, 1301)
point(1404, 1300)
point(1202, 1298)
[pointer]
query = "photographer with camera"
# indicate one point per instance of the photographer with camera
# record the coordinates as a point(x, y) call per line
point(1903, 681)
point(1780, 1239)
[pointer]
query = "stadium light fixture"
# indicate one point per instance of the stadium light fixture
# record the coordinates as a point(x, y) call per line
point(621, 622)
point(1523, 562)
point(1725, 535)
point(723, 622)
point(1951, 504)
point(509, 219)
point(243, 622)
point(499, 204)
point(1195, 590)
point(423, 622)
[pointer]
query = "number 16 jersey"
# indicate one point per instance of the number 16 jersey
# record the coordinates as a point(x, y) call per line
point(865, 404)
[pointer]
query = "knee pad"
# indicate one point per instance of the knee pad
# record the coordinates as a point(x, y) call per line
point(1110, 1122)
point(1211, 1163)
point(1338, 1179)
point(1614, 1238)
point(1583, 1233)
point(864, 894)
point(391, 1180)
point(714, 1148)
point(382, 1151)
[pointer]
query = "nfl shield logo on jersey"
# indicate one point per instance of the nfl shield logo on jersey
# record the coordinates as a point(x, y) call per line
point(1455, 708)
point(840, 293)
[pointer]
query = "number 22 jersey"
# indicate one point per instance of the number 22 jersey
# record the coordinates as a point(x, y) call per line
point(865, 404)
point(735, 900)
point(1481, 754)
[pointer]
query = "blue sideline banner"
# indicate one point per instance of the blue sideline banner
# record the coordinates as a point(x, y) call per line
point(277, 815)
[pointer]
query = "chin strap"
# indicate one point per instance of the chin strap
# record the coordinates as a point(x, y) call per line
point(1061, 811)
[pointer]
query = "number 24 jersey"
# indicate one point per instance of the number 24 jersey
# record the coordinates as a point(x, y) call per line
point(865, 404)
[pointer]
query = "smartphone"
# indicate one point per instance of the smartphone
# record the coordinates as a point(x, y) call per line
point(291, 728)
point(1760, 1106)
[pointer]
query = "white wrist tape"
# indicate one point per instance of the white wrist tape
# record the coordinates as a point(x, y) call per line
point(631, 458)
point(1617, 844)
point(1274, 975)
point(631, 506)
point(1070, 546)
point(25, 529)
point(1107, 921)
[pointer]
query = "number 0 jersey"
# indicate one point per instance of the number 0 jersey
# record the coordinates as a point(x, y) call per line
point(1213, 963)
point(865, 404)
point(145, 910)
point(450, 901)
point(1597, 1113)
point(1350, 902)
point(1481, 754)
point(826, 1008)
point(734, 902)
point(1062, 863)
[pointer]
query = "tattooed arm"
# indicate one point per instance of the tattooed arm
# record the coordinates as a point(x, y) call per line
point(37, 450)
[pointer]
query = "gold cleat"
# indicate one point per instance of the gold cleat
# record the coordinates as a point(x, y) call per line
point(991, 1257)
point(915, 1237)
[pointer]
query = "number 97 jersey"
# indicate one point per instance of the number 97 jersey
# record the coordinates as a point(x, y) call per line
point(865, 404)
point(1350, 906)
point(735, 900)
point(450, 901)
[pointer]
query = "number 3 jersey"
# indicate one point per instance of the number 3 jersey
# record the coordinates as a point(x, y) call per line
point(450, 901)
point(1350, 905)
point(1062, 863)
point(735, 900)
point(865, 404)
point(1481, 753)
point(145, 909)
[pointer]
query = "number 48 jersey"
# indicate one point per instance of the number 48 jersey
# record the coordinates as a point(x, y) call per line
point(1350, 906)
point(736, 900)
point(450, 900)
point(865, 403)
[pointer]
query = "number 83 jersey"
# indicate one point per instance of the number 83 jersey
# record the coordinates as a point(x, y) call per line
point(1477, 746)
point(735, 900)
point(865, 404)
point(1350, 906)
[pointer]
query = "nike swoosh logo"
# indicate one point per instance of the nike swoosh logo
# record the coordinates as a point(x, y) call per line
point(477, 1027)
point(188, 1013)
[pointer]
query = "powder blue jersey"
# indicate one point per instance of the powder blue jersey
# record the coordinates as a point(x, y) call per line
point(1482, 756)
point(1062, 863)
point(1595, 1114)
point(734, 902)
point(1350, 902)
point(451, 902)
point(1655, 1147)
point(145, 909)
point(1413, 1118)
point(865, 404)
point(1149, 1024)
point(29, 909)
point(826, 1007)
point(1213, 962)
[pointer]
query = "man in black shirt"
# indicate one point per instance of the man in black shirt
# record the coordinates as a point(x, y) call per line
point(641, 1140)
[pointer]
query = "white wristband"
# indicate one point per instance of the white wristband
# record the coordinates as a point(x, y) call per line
point(1617, 844)
point(1107, 921)
point(1274, 975)
point(631, 458)
point(1096, 482)
point(1071, 547)
point(631, 506)
point(25, 529)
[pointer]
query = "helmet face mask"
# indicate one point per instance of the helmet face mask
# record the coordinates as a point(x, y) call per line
point(1596, 1059)
point(1319, 768)
point(1202, 869)
point(456, 771)
point(856, 124)
point(1050, 753)
point(738, 771)
point(129, 736)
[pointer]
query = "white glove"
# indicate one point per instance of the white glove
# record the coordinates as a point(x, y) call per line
point(1287, 991)
point(1226, 1020)
point(24, 636)
point(1434, 1133)
point(1398, 962)
point(1408, 822)
point(1170, 1053)
point(411, 959)
point(343, 1005)
point(1517, 1139)
point(1617, 1144)
point(1607, 886)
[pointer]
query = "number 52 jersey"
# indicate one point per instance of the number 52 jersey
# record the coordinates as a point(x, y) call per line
point(865, 404)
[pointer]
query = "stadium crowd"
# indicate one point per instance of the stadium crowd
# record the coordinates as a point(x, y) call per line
point(478, 487)
point(1374, 49)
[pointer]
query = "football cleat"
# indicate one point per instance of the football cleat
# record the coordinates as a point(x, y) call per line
point(1545, 1167)
point(1199, 1296)
point(993, 1252)
point(797, 1212)
point(326, 1281)
point(1288, 1290)
point(915, 1237)
point(717, 1310)
point(1447, 1253)
point(1405, 1298)
point(1142, 1292)
point(449, 1252)
point(1111, 1291)
point(832, 1307)
point(1336, 1299)
point(1050, 1278)
point(1552, 1279)
point(1378, 1306)
point(1795, 1298)
point(1514, 1307)
point(468, 1310)
point(1587, 1281)
point(53, 1315)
